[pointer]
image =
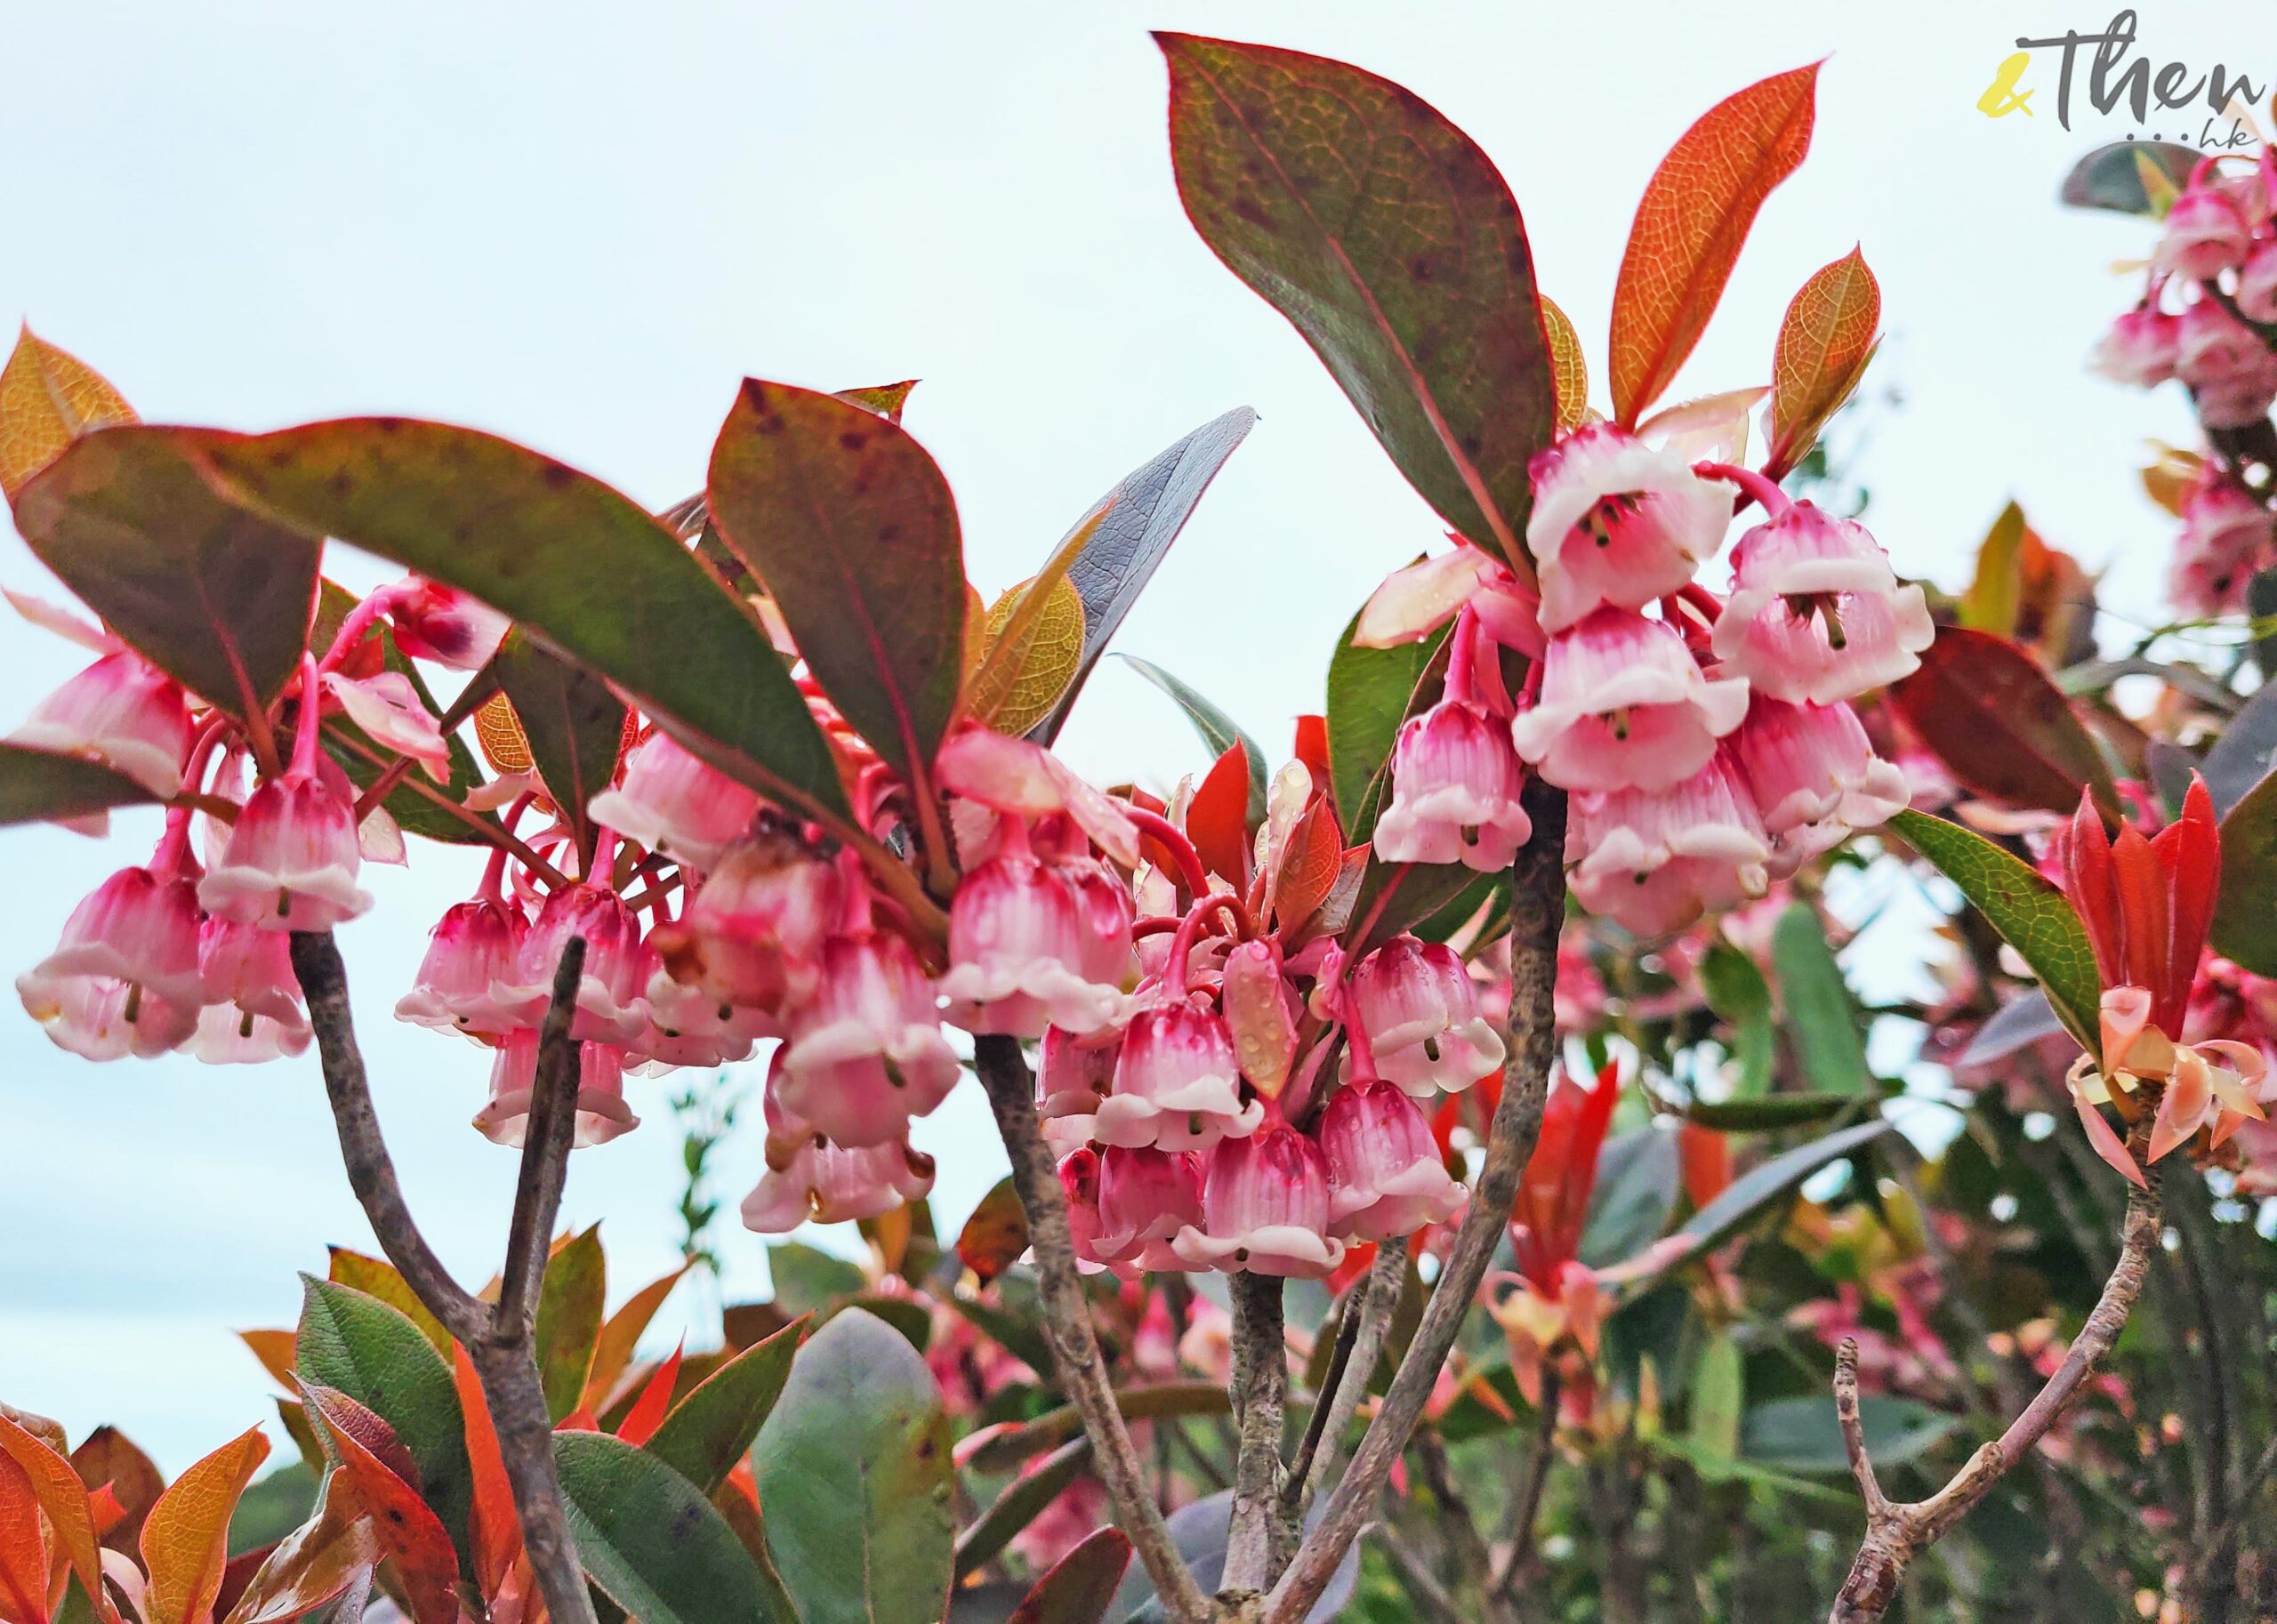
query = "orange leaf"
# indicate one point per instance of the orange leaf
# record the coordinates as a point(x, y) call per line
point(1695, 215)
point(996, 1233)
point(1309, 864)
point(49, 399)
point(274, 1350)
point(63, 1498)
point(23, 1548)
point(312, 1565)
point(408, 1530)
point(1569, 368)
point(656, 1401)
point(497, 1535)
point(1216, 817)
point(621, 1334)
point(1824, 344)
point(186, 1540)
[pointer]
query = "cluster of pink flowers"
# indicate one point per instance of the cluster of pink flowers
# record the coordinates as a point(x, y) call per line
point(2206, 319)
point(1709, 742)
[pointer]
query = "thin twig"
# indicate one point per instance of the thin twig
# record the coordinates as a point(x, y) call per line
point(1524, 1509)
point(502, 1351)
point(1898, 1532)
point(1537, 913)
point(1261, 1396)
point(551, 1129)
point(1067, 1327)
point(1343, 1391)
point(1423, 1583)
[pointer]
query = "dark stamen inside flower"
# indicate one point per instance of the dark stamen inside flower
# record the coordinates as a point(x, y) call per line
point(283, 904)
point(133, 1002)
point(245, 1024)
point(1431, 1048)
point(893, 1074)
point(1471, 835)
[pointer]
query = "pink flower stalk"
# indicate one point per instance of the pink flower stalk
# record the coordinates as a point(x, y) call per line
point(1385, 1177)
point(1816, 614)
point(689, 1026)
point(2204, 236)
point(124, 979)
point(1176, 1083)
point(1416, 1010)
point(2139, 350)
point(1814, 778)
point(1017, 950)
point(612, 1003)
point(1655, 863)
point(2232, 374)
point(2227, 537)
point(602, 1114)
point(1624, 706)
point(810, 1180)
point(755, 927)
point(1265, 1209)
point(252, 1011)
point(468, 982)
point(671, 801)
point(292, 855)
point(2257, 293)
point(122, 711)
point(1617, 521)
point(1145, 1197)
point(439, 623)
point(1455, 780)
point(866, 1053)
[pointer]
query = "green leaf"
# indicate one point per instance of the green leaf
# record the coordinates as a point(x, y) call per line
point(2030, 913)
point(574, 726)
point(652, 1542)
point(1990, 604)
point(1396, 896)
point(1219, 730)
point(1388, 238)
point(571, 1302)
point(2110, 177)
point(1144, 514)
point(580, 566)
point(1803, 1435)
point(272, 1508)
point(2245, 917)
point(37, 785)
point(1821, 1016)
point(1371, 692)
point(1718, 1393)
point(1741, 999)
point(1773, 1180)
point(712, 1429)
point(377, 1277)
point(1638, 1180)
point(851, 527)
point(1018, 1504)
point(1769, 1112)
point(855, 1475)
point(1991, 715)
point(218, 597)
point(358, 1345)
point(1081, 1587)
point(808, 1280)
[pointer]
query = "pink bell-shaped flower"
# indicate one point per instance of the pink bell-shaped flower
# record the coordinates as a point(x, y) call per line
point(1385, 1177)
point(2226, 539)
point(602, 1114)
point(689, 1026)
point(1624, 705)
point(1417, 1010)
point(124, 979)
point(468, 982)
point(1655, 862)
point(1103, 912)
point(1079, 1188)
point(2139, 349)
point(1814, 778)
point(1176, 1083)
point(672, 802)
point(292, 856)
point(1016, 950)
point(612, 1002)
point(1145, 1197)
point(122, 711)
point(388, 710)
point(1816, 614)
point(2204, 236)
point(866, 1052)
point(810, 1180)
point(2231, 373)
point(439, 623)
point(2258, 283)
point(755, 927)
point(1617, 521)
point(1265, 1208)
point(253, 1011)
point(1455, 781)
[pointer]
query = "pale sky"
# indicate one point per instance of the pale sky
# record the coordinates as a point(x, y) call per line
point(580, 225)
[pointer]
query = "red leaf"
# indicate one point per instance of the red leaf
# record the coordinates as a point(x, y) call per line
point(1216, 817)
point(1309, 866)
point(1690, 224)
point(1990, 714)
point(63, 1499)
point(23, 1548)
point(1081, 1584)
point(656, 1401)
point(408, 1530)
point(495, 1533)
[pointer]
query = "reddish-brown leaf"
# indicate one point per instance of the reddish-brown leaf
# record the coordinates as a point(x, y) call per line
point(1081, 1585)
point(408, 1530)
point(996, 1233)
point(186, 1538)
point(1824, 344)
point(620, 1334)
point(1309, 864)
point(107, 1457)
point(62, 1498)
point(1217, 819)
point(1695, 215)
point(311, 1567)
point(2007, 731)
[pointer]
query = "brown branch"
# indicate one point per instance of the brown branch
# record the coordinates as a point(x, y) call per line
point(1537, 913)
point(1898, 1532)
point(1260, 1394)
point(1526, 1501)
point(500, 1345)
point(1067, 1327)
point(1348, 1378)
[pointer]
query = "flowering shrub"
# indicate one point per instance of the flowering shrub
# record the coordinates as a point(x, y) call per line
point(1280, 1059)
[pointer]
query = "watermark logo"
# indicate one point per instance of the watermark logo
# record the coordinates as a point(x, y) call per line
point(2104, 73)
